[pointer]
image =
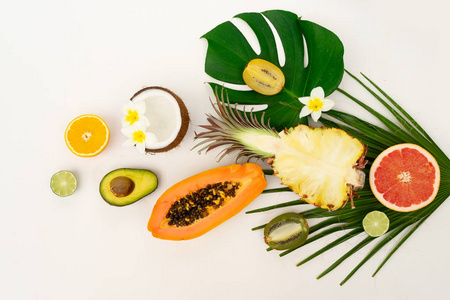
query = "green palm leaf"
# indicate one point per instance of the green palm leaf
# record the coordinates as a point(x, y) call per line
point(377, 139)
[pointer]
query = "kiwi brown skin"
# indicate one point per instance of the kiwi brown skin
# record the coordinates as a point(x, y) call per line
point(184, 119)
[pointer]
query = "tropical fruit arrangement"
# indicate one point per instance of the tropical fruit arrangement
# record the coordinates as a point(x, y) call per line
point(352, 175)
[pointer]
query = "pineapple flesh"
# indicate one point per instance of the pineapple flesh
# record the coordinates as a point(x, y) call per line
point(319, 164)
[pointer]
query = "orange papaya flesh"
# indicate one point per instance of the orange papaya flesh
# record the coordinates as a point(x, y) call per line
point(200, 203)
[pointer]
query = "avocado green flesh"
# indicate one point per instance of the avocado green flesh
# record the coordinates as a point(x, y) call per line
point(145, 182)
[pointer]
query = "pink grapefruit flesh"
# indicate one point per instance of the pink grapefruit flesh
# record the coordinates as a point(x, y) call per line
point(405, 177)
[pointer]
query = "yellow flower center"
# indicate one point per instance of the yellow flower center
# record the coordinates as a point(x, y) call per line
point(138, 136)
point(132, 116)
point(315, 104)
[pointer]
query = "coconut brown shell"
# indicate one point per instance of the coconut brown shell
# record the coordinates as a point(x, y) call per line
point(184, 119)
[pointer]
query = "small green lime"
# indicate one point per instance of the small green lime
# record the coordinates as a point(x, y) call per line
point(376, 223)
point(63, 183)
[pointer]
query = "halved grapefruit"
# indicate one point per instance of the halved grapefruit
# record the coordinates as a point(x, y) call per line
point(405, 177)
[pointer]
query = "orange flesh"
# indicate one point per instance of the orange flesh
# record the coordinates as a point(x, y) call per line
point(87, 135)
point(405, 177)
point(252, 183)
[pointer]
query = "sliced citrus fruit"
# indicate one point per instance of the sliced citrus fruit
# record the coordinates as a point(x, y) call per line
point(376, 223)
point(87, 135)
point(405, 177)
point(63, 183)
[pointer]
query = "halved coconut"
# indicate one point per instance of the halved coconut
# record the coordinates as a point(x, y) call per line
point(168, 116)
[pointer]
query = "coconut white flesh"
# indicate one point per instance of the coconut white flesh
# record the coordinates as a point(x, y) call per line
point(163, 112)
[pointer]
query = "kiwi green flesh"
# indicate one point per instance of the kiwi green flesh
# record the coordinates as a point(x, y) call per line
point(286, 231)
point(184, 119)
point(125, 186)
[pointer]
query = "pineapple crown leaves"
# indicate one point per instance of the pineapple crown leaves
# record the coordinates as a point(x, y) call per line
point(229, 128)
point(229, 52)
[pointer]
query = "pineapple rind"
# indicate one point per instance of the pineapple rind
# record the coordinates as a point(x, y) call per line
point(318, 164)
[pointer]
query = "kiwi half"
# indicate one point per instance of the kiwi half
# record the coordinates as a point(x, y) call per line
point(286, 231)
point(168, 116)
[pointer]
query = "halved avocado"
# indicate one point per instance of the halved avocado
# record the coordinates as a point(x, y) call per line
point(125, 186)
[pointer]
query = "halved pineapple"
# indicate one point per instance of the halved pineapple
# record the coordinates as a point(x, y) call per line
point(319, 164)
point(322, 165)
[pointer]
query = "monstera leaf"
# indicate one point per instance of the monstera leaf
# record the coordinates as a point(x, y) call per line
point(229, 52)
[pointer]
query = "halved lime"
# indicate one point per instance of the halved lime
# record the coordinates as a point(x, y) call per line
point(63, 183)
point(376, 223)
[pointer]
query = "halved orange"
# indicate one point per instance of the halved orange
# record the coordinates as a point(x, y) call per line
point(87, 135)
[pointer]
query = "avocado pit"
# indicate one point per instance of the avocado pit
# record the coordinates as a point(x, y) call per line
point(121, 186)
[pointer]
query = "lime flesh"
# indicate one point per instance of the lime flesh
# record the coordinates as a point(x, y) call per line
point(376, 223)
point(63, 183)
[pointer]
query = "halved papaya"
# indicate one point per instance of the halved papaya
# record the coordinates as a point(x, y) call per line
point(199, 203)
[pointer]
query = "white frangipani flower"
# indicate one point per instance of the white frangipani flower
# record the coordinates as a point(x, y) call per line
point(138, 136)
point(315, 104)
point(134, 111)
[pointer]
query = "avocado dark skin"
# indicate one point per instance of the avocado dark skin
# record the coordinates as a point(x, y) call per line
point(125, 186)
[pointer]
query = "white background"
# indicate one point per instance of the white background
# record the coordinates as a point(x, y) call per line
point(61, 59)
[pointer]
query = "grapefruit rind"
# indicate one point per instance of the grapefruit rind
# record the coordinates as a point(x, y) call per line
point(380, 196)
